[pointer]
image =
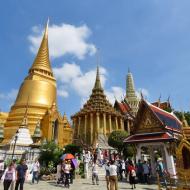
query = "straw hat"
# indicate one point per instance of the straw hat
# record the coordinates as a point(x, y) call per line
point(159, 159)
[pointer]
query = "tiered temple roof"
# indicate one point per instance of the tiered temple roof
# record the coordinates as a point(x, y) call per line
point(97, 101)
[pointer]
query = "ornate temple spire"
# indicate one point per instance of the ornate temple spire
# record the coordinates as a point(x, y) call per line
point(130, 88)
point(97, 82)
point(41, 61)
point(131, 97)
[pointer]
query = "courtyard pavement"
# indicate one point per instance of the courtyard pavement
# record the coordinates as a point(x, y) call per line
point(82, 184)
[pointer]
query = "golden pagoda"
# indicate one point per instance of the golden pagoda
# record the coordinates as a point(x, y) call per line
point(38, 93)
point(97, 119)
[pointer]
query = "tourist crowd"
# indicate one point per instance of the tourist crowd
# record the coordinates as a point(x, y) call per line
point(116, 169)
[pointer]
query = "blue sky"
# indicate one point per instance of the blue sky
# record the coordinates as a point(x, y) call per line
point(151, 37)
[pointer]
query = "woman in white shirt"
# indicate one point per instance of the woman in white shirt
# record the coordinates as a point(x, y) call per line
point(8, 176)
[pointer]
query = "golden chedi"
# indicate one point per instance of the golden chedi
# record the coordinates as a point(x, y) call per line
point(97, 119)
point(38, 94)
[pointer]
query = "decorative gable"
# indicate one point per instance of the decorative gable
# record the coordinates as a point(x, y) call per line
point(147, 121)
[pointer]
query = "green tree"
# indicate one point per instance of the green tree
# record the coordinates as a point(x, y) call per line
point(186, 114)
point(73, 149)
point(50, 152)
point(116, 139)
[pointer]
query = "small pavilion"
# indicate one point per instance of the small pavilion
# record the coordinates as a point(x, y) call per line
point(155, 130)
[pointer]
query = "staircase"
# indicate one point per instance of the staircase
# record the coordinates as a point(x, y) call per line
point(101, 172)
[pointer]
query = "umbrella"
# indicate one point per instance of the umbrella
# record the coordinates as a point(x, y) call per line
point(75, 163)
point(67, 157)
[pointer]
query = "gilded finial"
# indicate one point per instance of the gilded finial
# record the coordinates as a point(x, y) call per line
point(46, 29)
point(41, 62)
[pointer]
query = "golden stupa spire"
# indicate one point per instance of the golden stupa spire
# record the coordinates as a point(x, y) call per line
point(41, 62)
point(97, 82)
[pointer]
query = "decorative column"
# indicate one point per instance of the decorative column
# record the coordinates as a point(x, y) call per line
point(152, 156)
point(169, 162)
point(98, 124)
point(138, 153)
point(104, 126)
point(116, 123)
point(128, 127)
point(91, 128)
point(75, 127)
point(121, 124)
point(85, 128)
point(110, 125)
point(79, 123)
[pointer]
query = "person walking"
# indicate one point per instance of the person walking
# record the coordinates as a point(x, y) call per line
point(8, 176)
point(35, 171)
point(145, 172)
point(107, 166)
point(113, 176)
point(21, 174)
point(58, 174)
point(95, 174)
point(132, 175)
point(67, 168)
point(140, 171)
point(161, 171)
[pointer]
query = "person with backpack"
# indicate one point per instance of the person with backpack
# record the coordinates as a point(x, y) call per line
point(132, 175)
point(8, 176)
point(161, 171)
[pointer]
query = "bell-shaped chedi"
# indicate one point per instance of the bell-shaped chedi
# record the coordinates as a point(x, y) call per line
point(37, 92)
point(97, 119)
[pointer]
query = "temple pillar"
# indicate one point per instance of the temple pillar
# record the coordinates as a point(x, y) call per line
point(104, 125)
point(170, 162)
point(91, 128)
point(138, 153)
point(128, 127)
point(79, 124)
point(116, 123)
point(122, 124)
point(98, 124)
point(110, 124)
point(85, 127)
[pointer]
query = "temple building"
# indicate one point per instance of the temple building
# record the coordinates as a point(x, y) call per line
point(131, 97)
point(154, 134)
point(38, 94)
point(97, 119)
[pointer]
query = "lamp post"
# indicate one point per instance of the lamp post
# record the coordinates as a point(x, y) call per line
point(16, 137)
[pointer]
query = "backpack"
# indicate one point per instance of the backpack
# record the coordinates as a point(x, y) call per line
point(133, 173)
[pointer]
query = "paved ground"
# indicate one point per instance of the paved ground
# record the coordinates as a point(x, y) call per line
point(82, 184)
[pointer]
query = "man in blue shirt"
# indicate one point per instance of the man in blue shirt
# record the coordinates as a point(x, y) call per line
point(21, 174)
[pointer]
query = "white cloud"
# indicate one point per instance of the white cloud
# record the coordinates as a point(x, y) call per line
point(64, 39)
point(144, 92)
point(67, 72)
point(115, 92)
point(62, 92)
point(71, 77)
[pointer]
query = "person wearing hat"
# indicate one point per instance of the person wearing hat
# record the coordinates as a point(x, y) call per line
point(161, 171)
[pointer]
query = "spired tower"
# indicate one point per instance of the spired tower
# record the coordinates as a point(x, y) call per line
point(131, 97)
point(38, 94)
point(97, 119)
